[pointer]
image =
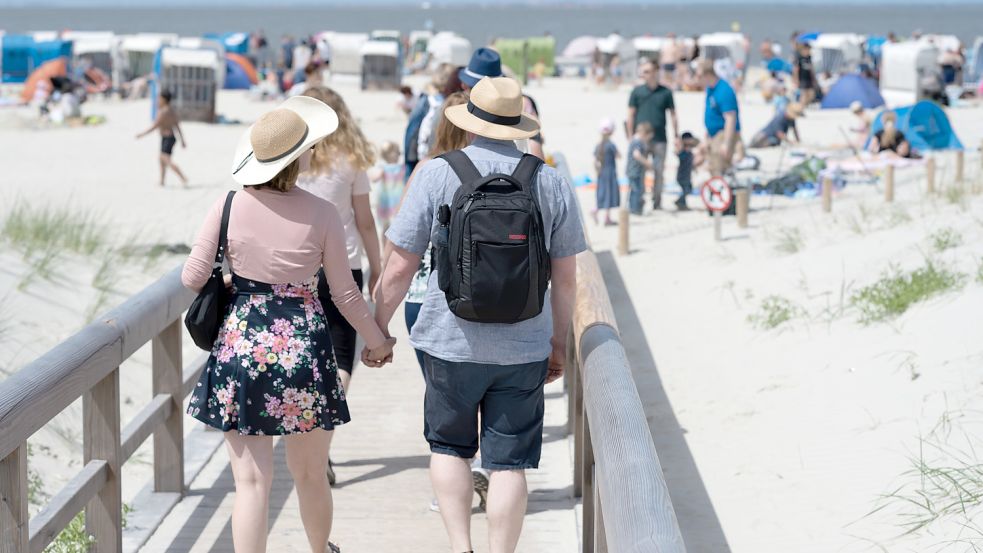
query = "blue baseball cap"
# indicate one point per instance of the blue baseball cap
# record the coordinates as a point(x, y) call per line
point(485, 62)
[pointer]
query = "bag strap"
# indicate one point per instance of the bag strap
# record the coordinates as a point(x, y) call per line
point(526, 171)
point(463, 167)
point(223, 234)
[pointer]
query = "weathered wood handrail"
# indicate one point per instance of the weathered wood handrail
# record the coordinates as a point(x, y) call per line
point(87, 366)
point(626, 504)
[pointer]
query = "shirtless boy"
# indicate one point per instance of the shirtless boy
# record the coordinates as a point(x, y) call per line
point(168, 125)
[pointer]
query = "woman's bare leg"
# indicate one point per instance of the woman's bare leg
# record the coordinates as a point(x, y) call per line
point(252, 467)
point(346, 383)
point(307, 459)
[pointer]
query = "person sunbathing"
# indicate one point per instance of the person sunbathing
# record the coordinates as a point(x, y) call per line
point(889, 138)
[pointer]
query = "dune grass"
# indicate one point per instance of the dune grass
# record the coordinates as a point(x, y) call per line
point(773, 312)
point(33, 229)
point(979, 271)
point(898, 290)
point(945, 239)
point(789, 240)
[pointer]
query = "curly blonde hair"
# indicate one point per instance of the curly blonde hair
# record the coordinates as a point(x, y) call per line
point(348, 140)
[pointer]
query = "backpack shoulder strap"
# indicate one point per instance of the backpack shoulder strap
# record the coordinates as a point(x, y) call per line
point(463, 166)
point(527, 169)
point(223, 234)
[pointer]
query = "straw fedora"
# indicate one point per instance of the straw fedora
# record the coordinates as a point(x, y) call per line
point(494, 111)
point(279, 137)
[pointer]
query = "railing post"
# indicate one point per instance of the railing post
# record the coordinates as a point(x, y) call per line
point(600, 537)
point(100, 439)
point(930, 175)
point(169, 436)
point(13, 502)
point(889, 183)
point(580, 443)
point(589, 502)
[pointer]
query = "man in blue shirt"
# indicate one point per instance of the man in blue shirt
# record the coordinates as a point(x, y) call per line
point(721, 118)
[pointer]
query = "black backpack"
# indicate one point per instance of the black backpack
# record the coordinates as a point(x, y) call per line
point(490, 251)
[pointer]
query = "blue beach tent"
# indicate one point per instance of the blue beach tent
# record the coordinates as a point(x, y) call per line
point(778, 65)
point(236, 77)
point(236, 43)
point(808, 37)
point(853, 88)
point(924, 125)
point(21, 55)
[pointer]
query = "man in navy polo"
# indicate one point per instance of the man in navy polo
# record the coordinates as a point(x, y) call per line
point(721, 118)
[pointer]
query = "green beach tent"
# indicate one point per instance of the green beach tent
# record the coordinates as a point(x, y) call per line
point(522, 54)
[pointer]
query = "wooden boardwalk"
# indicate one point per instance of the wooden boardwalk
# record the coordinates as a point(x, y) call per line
point(383, 494)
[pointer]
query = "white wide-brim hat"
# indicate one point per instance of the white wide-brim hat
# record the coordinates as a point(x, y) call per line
point(279, 137)
point(494, 110)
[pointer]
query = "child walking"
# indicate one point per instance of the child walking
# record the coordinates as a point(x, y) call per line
point(389, 180)
point(639, 160)
point(605, 162)
point(684, 173)
point(169, 126)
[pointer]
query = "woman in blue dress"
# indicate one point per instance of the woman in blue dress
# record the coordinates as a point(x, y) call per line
point(605, 162)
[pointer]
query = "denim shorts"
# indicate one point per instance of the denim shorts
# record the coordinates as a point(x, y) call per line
point(508, 397)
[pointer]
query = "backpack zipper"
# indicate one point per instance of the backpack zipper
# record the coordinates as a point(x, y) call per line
point(471, 198)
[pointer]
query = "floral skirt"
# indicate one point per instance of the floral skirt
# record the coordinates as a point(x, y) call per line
point(272, 370)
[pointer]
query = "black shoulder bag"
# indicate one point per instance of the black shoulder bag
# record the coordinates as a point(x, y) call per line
point(207, 311)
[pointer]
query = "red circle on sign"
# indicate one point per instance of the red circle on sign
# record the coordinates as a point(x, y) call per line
point(716, 194)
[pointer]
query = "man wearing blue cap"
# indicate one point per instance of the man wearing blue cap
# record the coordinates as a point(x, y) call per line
point(485, 62)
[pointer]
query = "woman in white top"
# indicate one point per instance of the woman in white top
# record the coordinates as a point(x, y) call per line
point(338, 174)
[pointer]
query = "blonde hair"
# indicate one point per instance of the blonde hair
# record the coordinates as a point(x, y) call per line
point(285, 180)
point(449, 137)
point(389, 151)
point(348, 140)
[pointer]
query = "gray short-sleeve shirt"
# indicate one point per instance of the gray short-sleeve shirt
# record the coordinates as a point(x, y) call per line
point(438, 331)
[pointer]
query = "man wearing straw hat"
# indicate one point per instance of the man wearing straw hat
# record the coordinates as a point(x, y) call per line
point(497, 369)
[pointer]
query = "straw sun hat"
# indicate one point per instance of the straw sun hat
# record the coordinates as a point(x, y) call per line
point(279, 137)
point(494, 111)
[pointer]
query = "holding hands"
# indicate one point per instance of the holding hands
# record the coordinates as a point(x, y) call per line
point(379, 356)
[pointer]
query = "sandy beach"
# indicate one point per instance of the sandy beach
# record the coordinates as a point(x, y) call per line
point(796, 430)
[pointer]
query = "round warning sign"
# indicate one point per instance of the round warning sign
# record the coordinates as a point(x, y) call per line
point(716, 194)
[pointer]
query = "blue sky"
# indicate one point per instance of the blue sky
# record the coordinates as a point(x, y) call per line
point(325, 4)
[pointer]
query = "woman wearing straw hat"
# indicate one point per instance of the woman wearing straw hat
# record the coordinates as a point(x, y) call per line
point(271, 370)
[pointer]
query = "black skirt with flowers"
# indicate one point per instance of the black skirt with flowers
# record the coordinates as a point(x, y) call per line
point(272, 370)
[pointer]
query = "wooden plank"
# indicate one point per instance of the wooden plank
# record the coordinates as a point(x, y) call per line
point(593, 306)
point(142, 425)
point(589, 503)
point(101, 441)
point(63, 507)
point(639, 515)
point(169, 437)
point(34, 395)
point(13, 501)
point(579, 427)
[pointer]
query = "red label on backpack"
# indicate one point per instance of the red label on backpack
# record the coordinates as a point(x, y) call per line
point(517, 237)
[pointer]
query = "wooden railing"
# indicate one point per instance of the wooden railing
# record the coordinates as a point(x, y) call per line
point(87, 366)
point(625, 500)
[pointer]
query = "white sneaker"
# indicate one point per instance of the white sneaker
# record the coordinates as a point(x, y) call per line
point(480, 478)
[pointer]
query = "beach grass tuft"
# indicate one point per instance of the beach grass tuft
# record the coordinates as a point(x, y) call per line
point(979, 271)
point(773, 312)
point(898, 290)
point(73, 539)
point(955, 195)
point(945, 239)
point(34, 229)
point(789, 240)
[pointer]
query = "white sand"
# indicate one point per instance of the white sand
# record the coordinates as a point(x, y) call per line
point(794, 432)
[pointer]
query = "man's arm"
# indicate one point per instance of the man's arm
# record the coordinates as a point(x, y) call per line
point(151, 129)
point(179, 133)
point(365, 223)
point(563, 294)
point(675, 123)
point(395, 283)
point(730, 127)
point(630, 122)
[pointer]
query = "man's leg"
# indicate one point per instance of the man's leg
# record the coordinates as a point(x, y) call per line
point(451, 479)
point(165, 160)
point(511, 442)
point(508, 495)
point(450, 424)
point(658, 163)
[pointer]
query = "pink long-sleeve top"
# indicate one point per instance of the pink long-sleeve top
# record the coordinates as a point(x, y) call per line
point(283, 237)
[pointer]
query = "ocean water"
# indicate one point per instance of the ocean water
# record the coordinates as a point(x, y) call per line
point(482, 24)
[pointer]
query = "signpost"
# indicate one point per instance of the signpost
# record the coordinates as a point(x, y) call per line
point(717, 196)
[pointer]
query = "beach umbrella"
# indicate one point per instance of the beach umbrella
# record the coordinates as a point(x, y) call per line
point(582, 46)
point(240, 74)
point(853, 88)
point(808, 37)
point(48, 70)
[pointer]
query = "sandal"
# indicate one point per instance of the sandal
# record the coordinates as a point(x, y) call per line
point(332, 548)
